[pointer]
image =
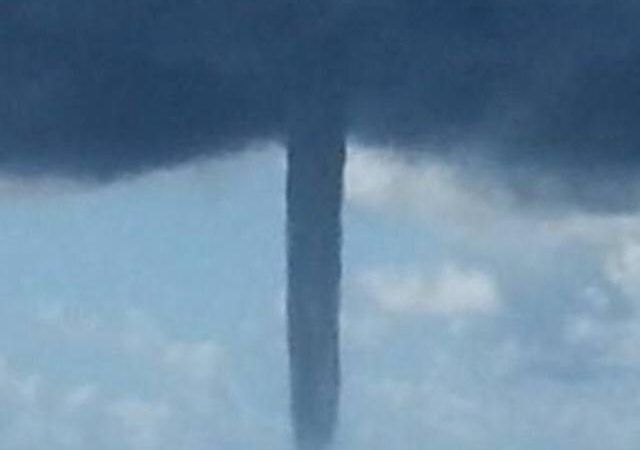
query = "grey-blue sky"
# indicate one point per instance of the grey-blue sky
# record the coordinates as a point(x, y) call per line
point(548, 363)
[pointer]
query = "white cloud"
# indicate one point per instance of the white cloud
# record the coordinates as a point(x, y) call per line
point(136, 335)
point(473, 204)
point(623, 268)
point(451, 291)
point(14, 188)
point(529, 414)
point(191, 396)
point(65, 319)
point(80, 398)
point(22, 389)
point(382, 181)
point(469, 214)
point(199, 360)
point(143, 422)
point(34, 412)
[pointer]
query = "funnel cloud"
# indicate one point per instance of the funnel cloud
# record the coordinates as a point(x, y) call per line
point(314, 201)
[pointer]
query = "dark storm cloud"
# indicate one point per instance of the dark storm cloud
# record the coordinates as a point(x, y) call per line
point(102, 87)
point(545, 91)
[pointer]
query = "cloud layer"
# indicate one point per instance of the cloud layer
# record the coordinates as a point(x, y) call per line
point(450, 292)
point(540, 88)
point(551, 363)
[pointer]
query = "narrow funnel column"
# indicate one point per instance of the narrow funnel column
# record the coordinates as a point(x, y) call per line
point(316, 156)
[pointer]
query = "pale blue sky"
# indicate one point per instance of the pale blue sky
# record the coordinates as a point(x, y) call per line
point(147, 314)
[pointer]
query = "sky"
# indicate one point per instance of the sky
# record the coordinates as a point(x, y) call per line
point(491, 223)
point(471, 319)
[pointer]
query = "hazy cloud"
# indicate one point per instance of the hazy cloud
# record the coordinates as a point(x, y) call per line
point(451, 291)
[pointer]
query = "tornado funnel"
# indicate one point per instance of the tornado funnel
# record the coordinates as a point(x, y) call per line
point(316, 157)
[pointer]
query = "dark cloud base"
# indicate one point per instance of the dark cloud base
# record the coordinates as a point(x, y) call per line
point(109, 87)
